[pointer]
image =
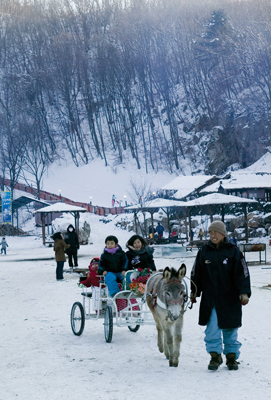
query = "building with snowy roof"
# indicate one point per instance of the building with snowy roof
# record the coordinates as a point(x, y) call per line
point(251, 182)
point(187, 187)
point(251, 186)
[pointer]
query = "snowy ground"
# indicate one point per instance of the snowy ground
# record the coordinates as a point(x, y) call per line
point(40, 358)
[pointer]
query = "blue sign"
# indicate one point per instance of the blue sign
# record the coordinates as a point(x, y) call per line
point(6, 207)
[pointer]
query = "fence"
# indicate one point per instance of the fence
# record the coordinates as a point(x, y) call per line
point(51, 197)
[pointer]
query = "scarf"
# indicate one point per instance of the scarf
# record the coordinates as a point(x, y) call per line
point(111, 251)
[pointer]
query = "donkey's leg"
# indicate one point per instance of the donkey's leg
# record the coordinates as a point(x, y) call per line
point(168, 342)
point(160, 334)
point(156, 317)
point(177, 341)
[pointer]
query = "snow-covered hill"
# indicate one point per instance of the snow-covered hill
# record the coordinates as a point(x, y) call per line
point(100, 183)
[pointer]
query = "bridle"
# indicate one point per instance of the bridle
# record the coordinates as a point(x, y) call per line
point(158, 302)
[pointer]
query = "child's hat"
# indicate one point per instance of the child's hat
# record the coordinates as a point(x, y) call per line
point(95, 260)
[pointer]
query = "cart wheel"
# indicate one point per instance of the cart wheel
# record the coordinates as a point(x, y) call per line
point(134, 328)
point(77, 318)
point(108, 324)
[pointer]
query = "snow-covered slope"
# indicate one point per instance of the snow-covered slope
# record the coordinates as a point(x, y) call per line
point(100, 183)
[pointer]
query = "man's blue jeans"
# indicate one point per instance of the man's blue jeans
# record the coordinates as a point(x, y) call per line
point(214, 335)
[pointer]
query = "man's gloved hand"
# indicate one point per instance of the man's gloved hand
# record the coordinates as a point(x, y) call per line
point(244, 299)
point(193, 298)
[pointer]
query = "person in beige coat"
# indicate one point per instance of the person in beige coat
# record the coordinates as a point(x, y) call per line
point(59, 249)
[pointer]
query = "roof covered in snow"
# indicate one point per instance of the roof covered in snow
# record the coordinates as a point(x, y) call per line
point(218, 198)
point(61, 207)
point(187, 184)
point(241, 181)
point(24, 200)
point(158, 203)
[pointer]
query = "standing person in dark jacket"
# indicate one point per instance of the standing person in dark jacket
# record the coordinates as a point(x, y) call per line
point(59, 247)
point(71, 238)
point(139, 255)
point(160, 230)
point(220, 275)
point(113, 264)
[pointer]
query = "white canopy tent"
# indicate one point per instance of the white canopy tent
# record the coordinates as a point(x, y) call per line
point(220, 199)
point(208, 200)
point(61, 208)
point(153, 206)
point(157, 203)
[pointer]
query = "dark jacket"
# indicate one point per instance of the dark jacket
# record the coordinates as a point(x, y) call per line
point(160, 229)
point(71, 238)
point(140, 258)
point(59, 246)
point(116, 262)
point(220, 275)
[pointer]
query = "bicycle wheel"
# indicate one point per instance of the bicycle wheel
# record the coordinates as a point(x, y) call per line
point(133, 328)
point(108, 324)
point(77, 318)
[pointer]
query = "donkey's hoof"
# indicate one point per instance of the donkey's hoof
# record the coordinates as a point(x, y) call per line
point(172, 364)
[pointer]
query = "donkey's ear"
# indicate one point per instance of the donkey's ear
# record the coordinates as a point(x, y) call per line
point(167, 273)
point(182, 271)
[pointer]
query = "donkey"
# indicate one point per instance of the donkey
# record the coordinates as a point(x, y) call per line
point(166, 296)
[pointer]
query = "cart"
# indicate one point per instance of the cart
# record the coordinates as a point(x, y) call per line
point(125, 309)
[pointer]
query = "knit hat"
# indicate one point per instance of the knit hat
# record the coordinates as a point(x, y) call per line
point(218, 226)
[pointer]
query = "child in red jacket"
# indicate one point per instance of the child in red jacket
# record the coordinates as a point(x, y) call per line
point(92, 278)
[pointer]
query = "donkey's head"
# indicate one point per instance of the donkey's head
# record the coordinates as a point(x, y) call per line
point(173, 291)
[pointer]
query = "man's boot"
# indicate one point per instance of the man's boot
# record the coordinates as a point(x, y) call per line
point(231, 362)
point(215, 361)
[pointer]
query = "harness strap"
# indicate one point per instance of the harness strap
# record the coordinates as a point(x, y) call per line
point(161, 304)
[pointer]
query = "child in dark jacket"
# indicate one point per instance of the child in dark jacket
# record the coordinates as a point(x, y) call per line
point(139, 254)
point(113, 264)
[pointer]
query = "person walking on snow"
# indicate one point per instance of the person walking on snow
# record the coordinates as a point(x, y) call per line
point(221, 277)
point(71, 238)
point(4, 246)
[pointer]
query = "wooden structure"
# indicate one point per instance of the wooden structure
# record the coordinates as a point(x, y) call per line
point(153, 206)
point(208, 200)
point(61, 208)
point(222, 200)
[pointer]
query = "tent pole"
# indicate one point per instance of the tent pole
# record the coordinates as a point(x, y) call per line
point(223, 212)
point(135, 224)
point(190, 227)
point(168, 223)
point(152, 238)
point(246, 225)
point(43, 227)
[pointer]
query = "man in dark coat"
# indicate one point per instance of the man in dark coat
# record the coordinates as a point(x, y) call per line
point(220, 275)
point(71, 238)
point(160, 230)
